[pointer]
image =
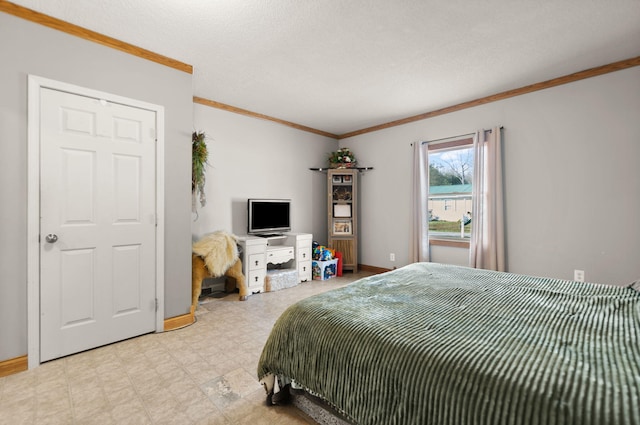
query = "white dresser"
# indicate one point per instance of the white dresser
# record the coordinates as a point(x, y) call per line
point(289, 251)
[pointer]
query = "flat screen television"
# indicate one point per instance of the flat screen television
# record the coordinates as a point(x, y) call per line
point(268, 216)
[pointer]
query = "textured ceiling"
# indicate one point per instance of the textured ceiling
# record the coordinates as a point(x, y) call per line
point(340, 66)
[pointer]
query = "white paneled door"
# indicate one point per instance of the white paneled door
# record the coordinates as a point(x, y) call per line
point(97, 222)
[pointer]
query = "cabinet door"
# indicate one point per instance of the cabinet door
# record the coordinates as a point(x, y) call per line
point(342, 203)
point(348, 249)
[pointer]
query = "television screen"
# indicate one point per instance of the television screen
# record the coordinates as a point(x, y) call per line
point(268, 216)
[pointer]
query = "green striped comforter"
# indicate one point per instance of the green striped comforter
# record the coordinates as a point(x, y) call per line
point(438, 344)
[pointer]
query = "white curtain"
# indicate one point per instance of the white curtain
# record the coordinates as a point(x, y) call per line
point(419, 249)
point(487, 232)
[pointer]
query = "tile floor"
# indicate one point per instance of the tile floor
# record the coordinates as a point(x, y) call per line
point(203, 374)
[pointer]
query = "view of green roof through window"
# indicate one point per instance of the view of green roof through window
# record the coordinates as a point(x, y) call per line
point(450, 190)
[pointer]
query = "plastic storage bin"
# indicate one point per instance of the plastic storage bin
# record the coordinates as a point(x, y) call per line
point(323, 270)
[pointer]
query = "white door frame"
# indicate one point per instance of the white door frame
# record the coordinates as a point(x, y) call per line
point(35, 84)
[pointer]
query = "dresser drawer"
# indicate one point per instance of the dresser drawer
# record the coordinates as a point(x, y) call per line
point(255, 247)
point(256, 261)
point(255, 280)
point(304, 270)
point(304, 254)
point(304, 243)
point(280, 255)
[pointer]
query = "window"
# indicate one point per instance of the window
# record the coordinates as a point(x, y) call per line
point(450, 189)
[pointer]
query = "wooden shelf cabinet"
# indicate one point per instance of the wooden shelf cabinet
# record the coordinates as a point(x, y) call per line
point(342, 225)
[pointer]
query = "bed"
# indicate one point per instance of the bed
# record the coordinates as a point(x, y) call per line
point(439, 344)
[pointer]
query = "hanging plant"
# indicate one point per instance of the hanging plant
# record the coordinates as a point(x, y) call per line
point(199, 156)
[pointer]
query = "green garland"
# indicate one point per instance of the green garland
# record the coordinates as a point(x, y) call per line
point(199, 161)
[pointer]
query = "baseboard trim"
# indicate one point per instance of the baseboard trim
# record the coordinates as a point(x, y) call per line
point(15, 365)
point(178, 322)
point(373, 269)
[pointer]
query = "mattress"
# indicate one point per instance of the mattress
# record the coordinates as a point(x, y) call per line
point(440, 344)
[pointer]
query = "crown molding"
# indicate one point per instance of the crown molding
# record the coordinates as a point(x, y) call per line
point(229, 108)
point(576, 76)
point(78, 31)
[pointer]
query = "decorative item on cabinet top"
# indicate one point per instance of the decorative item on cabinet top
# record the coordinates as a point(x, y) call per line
point(343, 158)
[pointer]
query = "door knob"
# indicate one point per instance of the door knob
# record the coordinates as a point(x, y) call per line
point(51, 238)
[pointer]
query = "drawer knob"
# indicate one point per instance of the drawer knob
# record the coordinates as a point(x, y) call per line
point(255, 278)
point(256, 262)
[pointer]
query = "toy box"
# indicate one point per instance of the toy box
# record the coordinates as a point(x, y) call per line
point(323, 270)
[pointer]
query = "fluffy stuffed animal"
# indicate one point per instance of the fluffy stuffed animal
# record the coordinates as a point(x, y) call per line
point(216, 255)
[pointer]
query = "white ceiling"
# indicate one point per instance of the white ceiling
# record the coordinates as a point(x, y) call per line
point(343, 65)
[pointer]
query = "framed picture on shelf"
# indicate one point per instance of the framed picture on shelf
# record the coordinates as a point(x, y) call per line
point(342, 227)
point(342, 210)
point(346, 179)
point(337, 179)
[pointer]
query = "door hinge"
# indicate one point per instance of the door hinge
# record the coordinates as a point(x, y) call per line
point(157, 305)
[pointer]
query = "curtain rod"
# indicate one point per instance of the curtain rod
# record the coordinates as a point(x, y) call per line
point(455, 137)
point(448, 138)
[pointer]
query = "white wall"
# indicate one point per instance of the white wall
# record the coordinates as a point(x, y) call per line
point(27, 48)
point(253, 158)
point(572, 180)
point(569, 151)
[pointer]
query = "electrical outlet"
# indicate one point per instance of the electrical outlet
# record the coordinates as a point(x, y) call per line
point(392, 257)
point(578, 275)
